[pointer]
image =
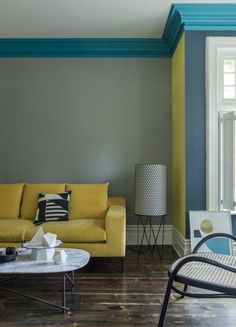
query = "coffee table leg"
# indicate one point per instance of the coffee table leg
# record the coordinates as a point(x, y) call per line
point(63, 292)
point(34, 298)
point(8, 279)
point(73, 279)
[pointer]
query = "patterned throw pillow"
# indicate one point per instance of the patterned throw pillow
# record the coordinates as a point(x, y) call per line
point(52, 207)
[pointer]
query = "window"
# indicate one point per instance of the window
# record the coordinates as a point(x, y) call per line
point(221, 123)
point(227, 135)
point(228, 90)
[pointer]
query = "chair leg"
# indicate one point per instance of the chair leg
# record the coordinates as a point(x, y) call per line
point(184, 290)
point(165, 303)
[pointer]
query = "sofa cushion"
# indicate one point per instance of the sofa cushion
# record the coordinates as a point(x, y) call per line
point(88, 200)
point(76, 230)
point(10, 199)
point(52, 207)
point(14, 230)
point(30, 197)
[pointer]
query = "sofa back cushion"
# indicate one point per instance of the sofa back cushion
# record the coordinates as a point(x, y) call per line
point(31, 194)
point(10, 199)
point(88, 200)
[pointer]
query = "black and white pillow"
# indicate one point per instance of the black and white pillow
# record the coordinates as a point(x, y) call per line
point(52, 207)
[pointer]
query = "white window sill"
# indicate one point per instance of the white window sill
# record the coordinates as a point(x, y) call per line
point(232, 212)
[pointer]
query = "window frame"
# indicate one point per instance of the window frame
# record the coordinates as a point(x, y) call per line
point(217, 49)
point(224, 101)
point(230, 118)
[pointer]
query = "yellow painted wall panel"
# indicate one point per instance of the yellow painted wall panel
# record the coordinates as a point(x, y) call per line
point(178, 137)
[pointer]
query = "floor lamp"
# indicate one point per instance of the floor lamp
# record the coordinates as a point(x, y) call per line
point(150, 204)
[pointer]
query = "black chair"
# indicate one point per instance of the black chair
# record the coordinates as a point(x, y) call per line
point(209, 271)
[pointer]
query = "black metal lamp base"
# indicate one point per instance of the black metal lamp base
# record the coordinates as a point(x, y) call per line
point(150, 236)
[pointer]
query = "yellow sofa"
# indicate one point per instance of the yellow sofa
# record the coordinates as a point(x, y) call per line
point(97, 223)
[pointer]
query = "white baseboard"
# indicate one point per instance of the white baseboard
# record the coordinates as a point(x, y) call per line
point(179, 243)
point(131, 234)
point(182, 245)
point(171, 237)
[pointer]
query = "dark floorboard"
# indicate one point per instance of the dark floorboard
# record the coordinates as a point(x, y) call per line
point(106, 297)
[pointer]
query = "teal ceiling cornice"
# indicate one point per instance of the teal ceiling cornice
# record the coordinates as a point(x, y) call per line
point(83, 48)
point(182, 17)
point(173, 29)
point(198, 17)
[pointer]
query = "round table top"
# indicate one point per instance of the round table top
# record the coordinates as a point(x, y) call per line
point(25, 265)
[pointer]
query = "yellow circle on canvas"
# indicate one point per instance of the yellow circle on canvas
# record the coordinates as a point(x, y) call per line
point(206, 226)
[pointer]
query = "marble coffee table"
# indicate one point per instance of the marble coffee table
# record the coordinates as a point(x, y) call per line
point(23, 265)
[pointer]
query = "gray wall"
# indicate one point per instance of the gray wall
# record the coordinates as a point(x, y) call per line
point(84, 121)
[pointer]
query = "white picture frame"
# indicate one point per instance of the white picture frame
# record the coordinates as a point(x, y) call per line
point(203, 223)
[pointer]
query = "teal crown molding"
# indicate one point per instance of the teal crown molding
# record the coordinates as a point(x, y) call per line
point(182, 17)
point(83, 48)
point(198, 17)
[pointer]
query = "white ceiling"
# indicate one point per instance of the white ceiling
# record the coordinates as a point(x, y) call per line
point(86, 18)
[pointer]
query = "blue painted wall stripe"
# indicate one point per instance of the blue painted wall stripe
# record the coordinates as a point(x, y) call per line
point(195, 123)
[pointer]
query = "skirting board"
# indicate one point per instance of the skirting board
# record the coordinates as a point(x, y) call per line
point(131, 234)
point(179, 243)
point(182, 245)
point(172, 237)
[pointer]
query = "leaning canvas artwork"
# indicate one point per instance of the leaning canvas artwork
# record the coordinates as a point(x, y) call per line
point(203, 223)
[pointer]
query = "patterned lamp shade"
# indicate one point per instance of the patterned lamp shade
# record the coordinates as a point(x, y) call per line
point(150, 190)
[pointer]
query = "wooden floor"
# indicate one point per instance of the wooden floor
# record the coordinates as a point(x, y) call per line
point(106, 297)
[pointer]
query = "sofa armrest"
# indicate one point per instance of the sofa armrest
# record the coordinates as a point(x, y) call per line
point(116, 200)
point(115, 224)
